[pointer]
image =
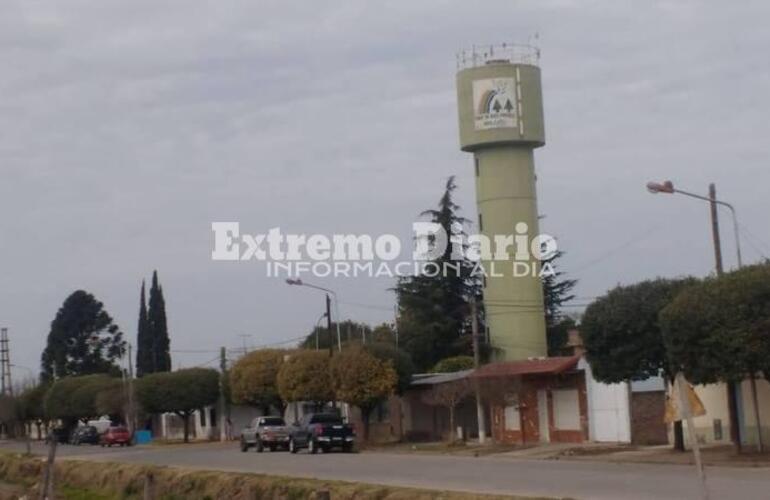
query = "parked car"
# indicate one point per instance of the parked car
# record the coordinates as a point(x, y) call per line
point(60, 434)
point(321, 431)
point(87, 434)
point(115, 435)
point(265, 432)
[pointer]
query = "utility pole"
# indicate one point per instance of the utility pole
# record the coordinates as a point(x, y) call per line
point(715, 228)
point(131, 409)
point(732, 389)
point(329, 324)
point(476, 363)
point(6, 388)
point(222, 402)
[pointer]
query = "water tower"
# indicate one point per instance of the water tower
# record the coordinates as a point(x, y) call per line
point(500, 105)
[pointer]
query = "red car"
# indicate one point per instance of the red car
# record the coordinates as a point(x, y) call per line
point(115, 435)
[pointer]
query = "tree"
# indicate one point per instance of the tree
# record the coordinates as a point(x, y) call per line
point(112, 401)
point(350, 331)
point(433, 318)
point(304, 376)
point(623, 337)
point(363, 381)
point(718, 330)
point(144, 341)
point(449, 395)
point(158, 328)
point(454, 364)
point(557, 290)
point(8, 413)
point(254, 379)
point(558, 335)
point(399, 359)
point(74, 398)
point(83, 340)
point(32, 405)
point(181, 392)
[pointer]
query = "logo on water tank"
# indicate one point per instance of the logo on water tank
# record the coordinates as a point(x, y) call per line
point(494, 102)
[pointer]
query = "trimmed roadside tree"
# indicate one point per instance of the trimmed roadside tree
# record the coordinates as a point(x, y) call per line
point(363, 381)
point(304, 376)
point(32, 406)
point(254, 379)
point(719, 329)
point(74, 398)
point(181, 392)
point(623, 337)
point(400, 360)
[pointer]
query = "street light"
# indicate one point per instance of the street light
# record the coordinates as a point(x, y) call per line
point(667, 187)
point(299, 282)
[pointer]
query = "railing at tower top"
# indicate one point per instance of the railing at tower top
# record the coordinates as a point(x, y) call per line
point(479, 55)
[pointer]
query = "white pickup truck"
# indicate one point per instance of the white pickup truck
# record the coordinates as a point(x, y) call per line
point(265, 432)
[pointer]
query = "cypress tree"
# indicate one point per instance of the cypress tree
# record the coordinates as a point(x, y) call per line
point(161, 358)
point(144, 363)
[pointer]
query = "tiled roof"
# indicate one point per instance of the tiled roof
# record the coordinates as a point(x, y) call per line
point(535, 366)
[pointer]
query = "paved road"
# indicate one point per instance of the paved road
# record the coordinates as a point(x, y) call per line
point(577, 479)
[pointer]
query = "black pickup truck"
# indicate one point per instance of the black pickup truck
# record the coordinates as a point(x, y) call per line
point(321, 431)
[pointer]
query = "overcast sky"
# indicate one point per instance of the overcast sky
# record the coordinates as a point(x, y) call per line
point(126, 128)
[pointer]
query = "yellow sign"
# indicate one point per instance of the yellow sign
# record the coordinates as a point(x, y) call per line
point(674, 411)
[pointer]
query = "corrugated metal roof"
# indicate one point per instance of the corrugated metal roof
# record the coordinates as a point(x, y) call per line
point(439, 378)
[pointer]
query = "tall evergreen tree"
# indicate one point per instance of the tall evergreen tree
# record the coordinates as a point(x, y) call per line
point(144, 362)
point(557, 290)
point(158, 328)
point(83, 340)
point(433, 310)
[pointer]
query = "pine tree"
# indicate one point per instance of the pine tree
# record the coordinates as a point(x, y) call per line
point(144, 364)
point(433, 310)
point(158, 328)
point(556, 292)
point(83, 340)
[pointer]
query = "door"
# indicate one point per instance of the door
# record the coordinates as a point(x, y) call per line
point(542, 416)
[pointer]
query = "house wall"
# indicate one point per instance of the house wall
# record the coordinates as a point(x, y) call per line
point(609, 416)
point(714, 426)
point(647, 413)
point(422, 422)
point(572, 428)
point(749, 419)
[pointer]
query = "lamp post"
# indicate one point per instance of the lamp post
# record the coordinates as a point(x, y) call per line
point(299, 282)
point(667, 187)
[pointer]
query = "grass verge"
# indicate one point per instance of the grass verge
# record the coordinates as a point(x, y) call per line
point(80, 480)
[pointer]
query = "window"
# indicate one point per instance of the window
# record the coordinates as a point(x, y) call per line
point(476, 164)
point(202, 415)
point(481, 223)
point(213, 417)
